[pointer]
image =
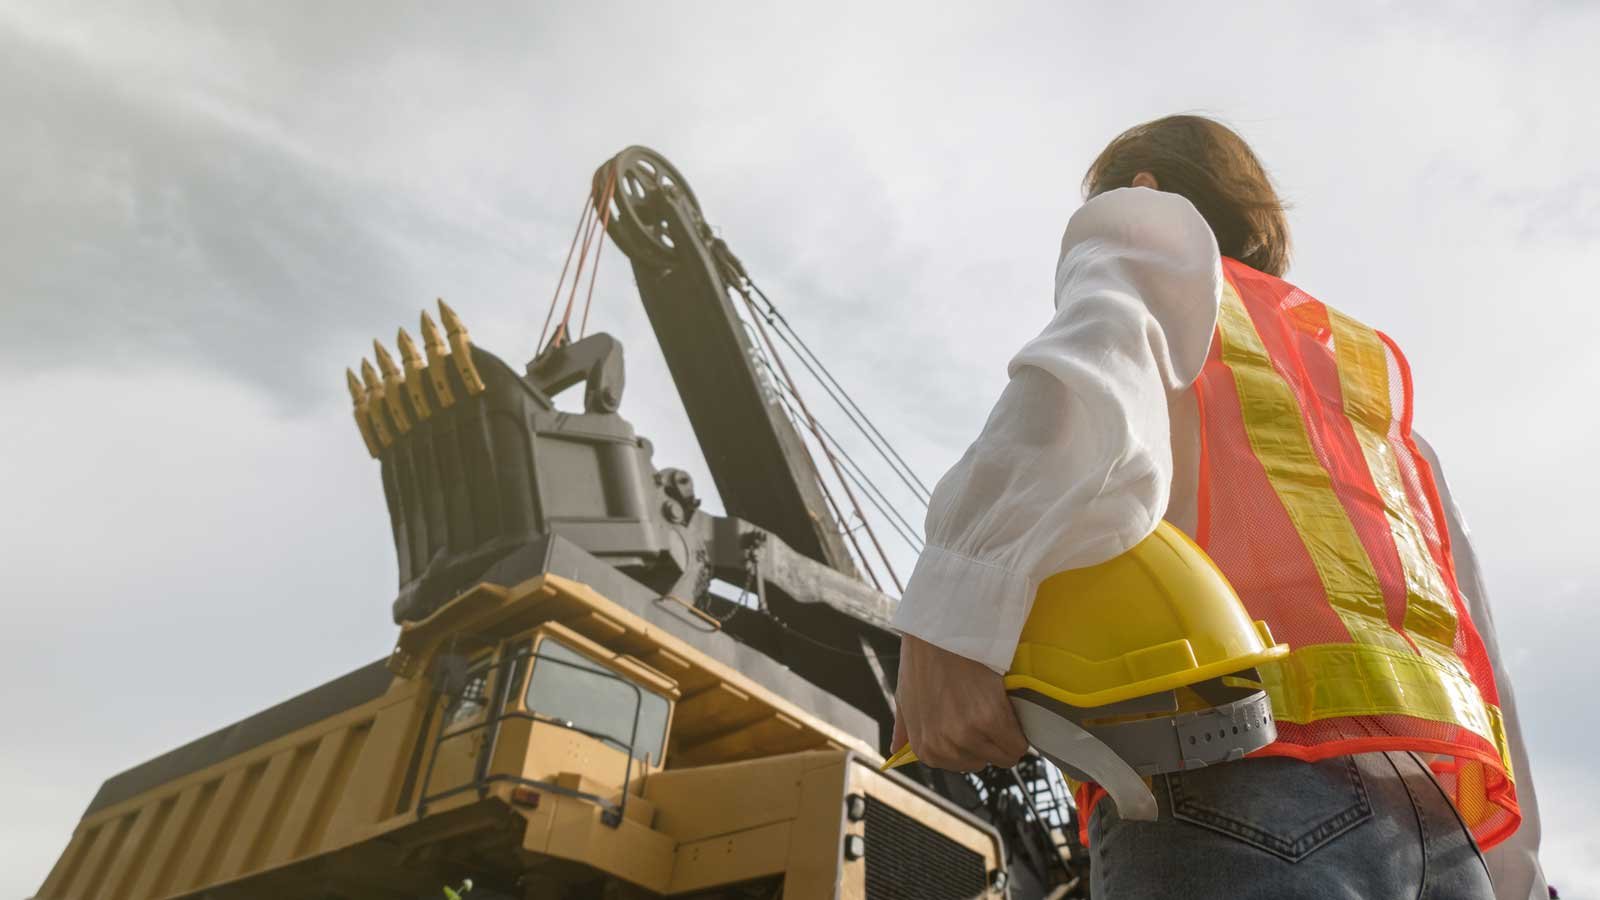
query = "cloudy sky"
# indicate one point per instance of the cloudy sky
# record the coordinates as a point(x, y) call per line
point(209, 212)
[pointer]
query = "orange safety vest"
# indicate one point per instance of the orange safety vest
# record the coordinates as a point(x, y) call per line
point(1317, 506)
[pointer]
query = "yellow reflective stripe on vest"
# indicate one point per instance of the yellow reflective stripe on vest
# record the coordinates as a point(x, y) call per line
point(1324, 681)
point(1277, 435)
point(1364, 380)
point(1380, 672)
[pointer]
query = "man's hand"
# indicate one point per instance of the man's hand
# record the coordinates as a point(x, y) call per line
point(954, 711)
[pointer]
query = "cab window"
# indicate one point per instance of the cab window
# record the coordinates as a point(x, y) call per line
point(472, 700)
point(571, 687)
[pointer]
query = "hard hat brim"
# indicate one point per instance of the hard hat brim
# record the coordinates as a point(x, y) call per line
point(1039, 678)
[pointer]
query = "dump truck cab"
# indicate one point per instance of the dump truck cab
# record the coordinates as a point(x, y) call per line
point(630, 756)
point(541, 705)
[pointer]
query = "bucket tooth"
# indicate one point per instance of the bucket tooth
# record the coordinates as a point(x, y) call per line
point(438, 359)
point(394, 390)
point(358, 398)
point(380, 425)
point(411, 358)
point(460, 349)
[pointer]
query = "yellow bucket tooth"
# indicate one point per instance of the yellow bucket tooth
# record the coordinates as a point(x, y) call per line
point(412, 360)
point(460, 349)
point(358, 397)
point(369, 377)
point(385, 361)
point(393, 388)
point(438, 353)
point(452, 322)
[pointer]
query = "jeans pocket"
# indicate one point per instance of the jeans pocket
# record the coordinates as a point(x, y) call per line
point(1288, 808)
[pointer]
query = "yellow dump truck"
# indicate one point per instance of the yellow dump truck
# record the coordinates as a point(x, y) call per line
point(505, 759)
point(599, 690)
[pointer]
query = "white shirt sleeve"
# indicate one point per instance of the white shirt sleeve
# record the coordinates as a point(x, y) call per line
point(1514, 863)
point(1074, 464)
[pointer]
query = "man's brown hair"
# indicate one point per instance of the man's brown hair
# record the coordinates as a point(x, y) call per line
point(1206, 162)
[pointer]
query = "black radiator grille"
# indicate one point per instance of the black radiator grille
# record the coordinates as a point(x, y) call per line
point(907, 860)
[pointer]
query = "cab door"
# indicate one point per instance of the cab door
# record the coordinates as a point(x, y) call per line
point(461, 732)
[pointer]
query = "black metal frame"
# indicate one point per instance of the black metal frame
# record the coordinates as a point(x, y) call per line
point(497, 713)
point(1006, 795)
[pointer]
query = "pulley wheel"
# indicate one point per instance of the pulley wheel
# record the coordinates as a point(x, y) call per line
point(638, 220)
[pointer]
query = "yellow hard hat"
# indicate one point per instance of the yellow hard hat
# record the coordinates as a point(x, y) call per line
point(1155, 618)
point(1119, 670)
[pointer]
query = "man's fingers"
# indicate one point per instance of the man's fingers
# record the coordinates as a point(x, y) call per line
point(993, 749)
point(967, 746)
point(953, 711)
point(1005, 753)
point(969, 760)
point(995, 726)
point(942, 754)
point(1015, 747)
point(1006, 733)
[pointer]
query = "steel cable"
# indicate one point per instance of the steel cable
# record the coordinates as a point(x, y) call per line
point(887, 448)
point(880, 501)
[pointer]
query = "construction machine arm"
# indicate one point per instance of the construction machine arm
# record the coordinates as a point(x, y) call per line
point(757, 459)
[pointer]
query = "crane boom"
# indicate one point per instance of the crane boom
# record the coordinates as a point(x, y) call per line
point(758, 460)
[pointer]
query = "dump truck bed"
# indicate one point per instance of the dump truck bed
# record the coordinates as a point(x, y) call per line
point(265, 791)
point(354, 689)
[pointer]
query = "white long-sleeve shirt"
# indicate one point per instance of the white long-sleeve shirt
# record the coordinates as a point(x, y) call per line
point(1076, 461)
point(1097, 437)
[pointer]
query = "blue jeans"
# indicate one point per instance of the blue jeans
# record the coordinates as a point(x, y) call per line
point(1373, 826)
